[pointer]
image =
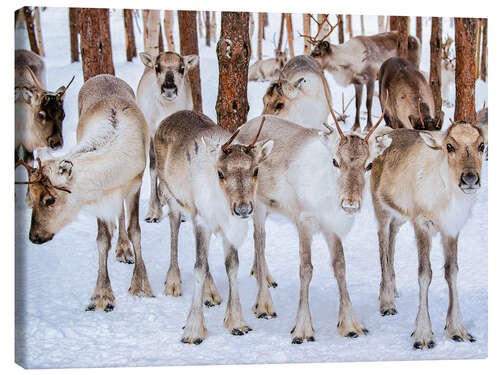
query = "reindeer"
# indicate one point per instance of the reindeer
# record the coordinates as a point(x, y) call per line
point(111, 134)
point(268, 69)
point(358, 61)
point(164, 88)
point(298, 95)
point(214, 182)
point(430, 179)
point(39, 113)
point(410, 99)
point(316, 179)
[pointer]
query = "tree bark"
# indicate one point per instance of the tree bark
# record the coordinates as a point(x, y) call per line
point(465, 46)
point(200, 23)
point(168, 21)
point(478, 47)
point(260, 34)
point(28, 16)
point(74, 30)
point(233, 55)
point(289, 28)
point(129, 34)
point(151, 20)
point(307, 31)
point(189, 46)
point(340, 21)
point(419, 29)
point(349, 25)
point(484, 52)
point(381, 24)
point(213, 27)
point(207, 28)
point(435, 64)
point(265, 23)
point(39, 31)
point(282, 26)
point(161, 47)
point(403, 37)
point(362, 25)
point(95, 42)
point(393, 23)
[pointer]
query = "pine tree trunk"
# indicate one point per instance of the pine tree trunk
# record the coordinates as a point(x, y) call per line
point(189, 46)
point(207, 28)
point(403, 37)
point(151, 19)
point(265, 23)
point(129, 34)
point(419, 29)
point(362, 25)
point(349, 25)
point(95, 42)
point(435, 64)
point(161, 47)
point(282, 26)
point(213, 27)
point(307, 31)
point(200, 24)
point(465, 46)
point(484, 52)
point(289, 28)
point(260, 34)
point(74, 30)
point(168, 21)
point(39, 31)
point(381, 24)
point(478, 47)
point(232, 102)
point(340, 21)
point(28, 16)
point(393, 23)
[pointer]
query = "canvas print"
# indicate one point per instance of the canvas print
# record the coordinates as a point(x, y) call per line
point(204, 187)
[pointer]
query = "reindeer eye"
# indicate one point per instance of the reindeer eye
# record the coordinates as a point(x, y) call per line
point(50, 201)
point(41, 115)
point(157, 68)
point(335, 163)
point(279, 106)
point(369, 166)
point(256, 172)
point(481, 147)
point(221, 176)
point(450, 148)
point(181, 70)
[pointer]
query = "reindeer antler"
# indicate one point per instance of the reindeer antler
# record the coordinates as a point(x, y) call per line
point(30, 169)
point(419, 111)
point(479, 115)
point(380, 119)
point(327, 96)
point(314, 40)
point(69, 84)
point(225, 146)
point(252, 145)
point(35, 80)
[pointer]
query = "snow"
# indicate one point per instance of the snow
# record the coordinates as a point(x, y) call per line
point(54, 281)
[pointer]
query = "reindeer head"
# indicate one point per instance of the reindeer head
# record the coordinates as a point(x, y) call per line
point(48, 187)
point(170, 69)
point(47, 111)
point(238, 172)
point(463, 146)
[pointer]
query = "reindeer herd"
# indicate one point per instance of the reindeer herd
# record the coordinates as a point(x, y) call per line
point(287, 161)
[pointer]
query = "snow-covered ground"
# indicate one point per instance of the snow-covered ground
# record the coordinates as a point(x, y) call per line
point(54, 281)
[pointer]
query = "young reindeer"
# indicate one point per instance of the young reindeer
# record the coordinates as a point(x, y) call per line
point(111, 134)
point(410, 99)
point(358, 62)
point(164, 88)
point(317, 180)
point(268, 69)
point(214, 182)
point(39, 113)
point(429, 179)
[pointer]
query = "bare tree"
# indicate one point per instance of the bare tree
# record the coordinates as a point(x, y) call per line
point(393, 23)
point(161, 47)
point(282, 26)
point(129, 34)
point(95, 42)
point(74, 29)
point(465, 46)
point(151, 21)
point(28, 16)
point(233, 55)
point(200, 23)
point(484, 52)
point(307, 31)
point(213, 27)
point(260, 35)
point(349, 25)
point(289, 29)
point(419, 29)
point(403, 23)
point(189, 46)
point(168, 22)
point(325, 27)
point(435, 64)
point(207, 28)
point(39, 31)
point(340, 25)
point(362, 19)
point(265, 23)
point(381, 24)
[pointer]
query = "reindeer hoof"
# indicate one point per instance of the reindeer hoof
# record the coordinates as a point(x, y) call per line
point(186, 340)
point(273, 284)
point(152, 220)
point(389, 311)
point(297, 340)
point(431, 344)
point(108, 308)
point(91, 307)
point(311, 339)
point(237, 332)
point(352, 335)
point(209, 303)
point(417, 345)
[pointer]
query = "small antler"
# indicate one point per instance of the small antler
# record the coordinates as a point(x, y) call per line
point(327, 96)
point(69, 84)
point(35, 80)
point(252, 145)
point(479, 115)
point(419, 111)
point(380, 119)
point(225, 146)
point(30, 170)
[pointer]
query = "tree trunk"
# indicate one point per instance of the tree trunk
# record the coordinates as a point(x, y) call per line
point(200, 23)
point(207, 28)
point(403, 37)
point(307, 31)
point(381, 24)
point(478, 47)
point(39, 31)
point(260, 34)
point(74, 30)
point(393, 23)
point(265, 23)
point(232, 102)
point(189, 46)
point(161, 47)
point(419, 29)
point(282, 26)
point(28, 16)
point(340, 21)
point(213, 27)
point(129, 34)
point(484, 53)
point(465, 46)
point(349, 25)
point(95, 42)
point(435, 65)
point(168, 22)
point(151, 19)
point(362, 25)
point(289, 29)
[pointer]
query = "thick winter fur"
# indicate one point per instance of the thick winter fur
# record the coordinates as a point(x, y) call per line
point(268, 69)
point(102, 171)
point(429, 179)
point(216, 188)
point(164, 88)
point(410, 96)
point(315, 179)
point(298, 94)
point(358, 61)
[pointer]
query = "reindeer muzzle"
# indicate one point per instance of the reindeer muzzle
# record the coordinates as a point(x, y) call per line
point(39, 238)
point(350, 206)
point(55, 141)
point(470, 182)
point(243, 210)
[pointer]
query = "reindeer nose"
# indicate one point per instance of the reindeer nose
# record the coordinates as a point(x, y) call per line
point(469, 178)
point(350, 206)
point(38, 240)
point(243, 209)
point(55, 143)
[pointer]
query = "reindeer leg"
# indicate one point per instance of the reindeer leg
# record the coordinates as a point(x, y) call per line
point(423, 329)
point(173, 278)
point(359, 95)
point(303, 329)
point(28, 158)
point(154, 212)
point(263, 307)
point(370, 86)
point(233, 320)
point(393, 231)
point(103, 297)
point(139, 285)
point(211, 296)
point(348, 325)
point(454, 325)
point(123, 252)
point(194, 330)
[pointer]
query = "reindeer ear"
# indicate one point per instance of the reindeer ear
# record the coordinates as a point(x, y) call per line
point(30, 97)
point(208, 147)
point(291, 89)
point(190, 61)
point(147, 59)
point(65, 168)
point(378, 144)
point(263, 149)
point(433, 139)
point(61, 91)
point(329, 139)
point(483, 129)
